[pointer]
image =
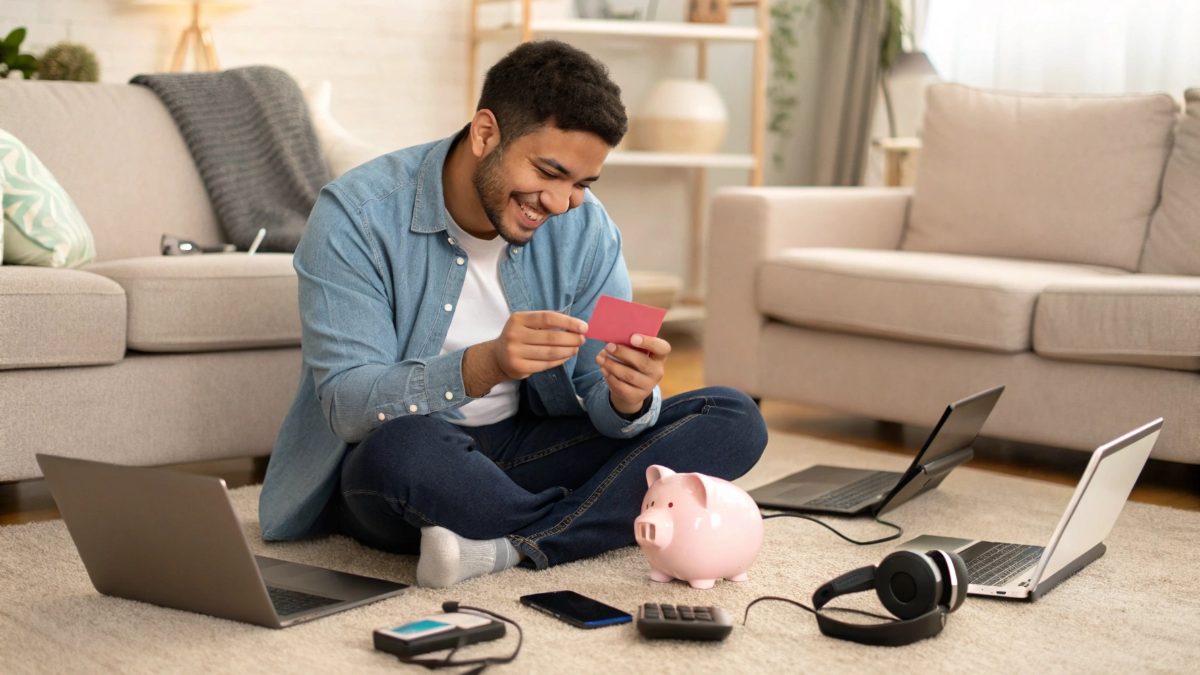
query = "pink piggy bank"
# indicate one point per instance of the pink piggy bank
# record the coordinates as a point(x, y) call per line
point(697, 528)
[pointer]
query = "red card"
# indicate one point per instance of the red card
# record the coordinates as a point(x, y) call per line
point(616, 320)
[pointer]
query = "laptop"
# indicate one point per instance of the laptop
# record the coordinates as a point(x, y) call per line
point(842, 491)
point(172, 539)
point(1022, 572)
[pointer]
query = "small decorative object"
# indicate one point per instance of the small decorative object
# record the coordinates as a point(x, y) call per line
point(697, 528)
point(708, 11)
point(11, 58)
point(681, 116)
point(69, 61)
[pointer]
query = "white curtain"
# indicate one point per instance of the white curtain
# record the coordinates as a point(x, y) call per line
point(1085, 46)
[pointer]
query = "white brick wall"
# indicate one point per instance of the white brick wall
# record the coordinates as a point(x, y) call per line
point(398, 67)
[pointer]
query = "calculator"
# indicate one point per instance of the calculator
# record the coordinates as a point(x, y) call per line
point(683, 622)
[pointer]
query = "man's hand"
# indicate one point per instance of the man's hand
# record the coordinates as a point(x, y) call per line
point(530, 343)
point(632, 374)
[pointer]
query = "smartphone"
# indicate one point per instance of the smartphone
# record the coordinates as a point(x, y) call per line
point(578, 610)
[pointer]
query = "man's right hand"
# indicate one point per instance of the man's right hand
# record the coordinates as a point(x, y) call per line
point(530, 343)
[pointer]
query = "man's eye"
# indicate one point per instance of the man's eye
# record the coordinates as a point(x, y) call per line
point(546, 174)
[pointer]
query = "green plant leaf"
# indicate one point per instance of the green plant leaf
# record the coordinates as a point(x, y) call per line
point(14, 39)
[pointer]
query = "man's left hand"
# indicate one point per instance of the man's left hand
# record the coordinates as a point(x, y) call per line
point(632, 373)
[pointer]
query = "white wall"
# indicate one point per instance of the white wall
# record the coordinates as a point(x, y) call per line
point(399, 73)
point(398, 67)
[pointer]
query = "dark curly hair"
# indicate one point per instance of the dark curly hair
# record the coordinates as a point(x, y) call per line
point(550, 80)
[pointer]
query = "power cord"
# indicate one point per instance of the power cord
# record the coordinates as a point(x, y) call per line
point(806, 608)
point(892, 537)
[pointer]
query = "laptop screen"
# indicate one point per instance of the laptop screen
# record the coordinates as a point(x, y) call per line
point(1099, 497)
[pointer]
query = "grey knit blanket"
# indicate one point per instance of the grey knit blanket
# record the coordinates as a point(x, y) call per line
point(250, 135)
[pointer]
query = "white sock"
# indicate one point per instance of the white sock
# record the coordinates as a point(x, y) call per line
point(447, 558)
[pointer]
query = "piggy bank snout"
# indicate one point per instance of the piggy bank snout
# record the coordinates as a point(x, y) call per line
point(653, 529)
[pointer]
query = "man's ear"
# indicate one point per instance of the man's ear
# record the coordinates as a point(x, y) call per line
point(485, 133)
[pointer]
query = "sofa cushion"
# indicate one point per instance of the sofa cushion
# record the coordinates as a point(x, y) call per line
point(962, 301)
point(59, 317)
point(1067, 179)
point(208, 302)
point(1173, 245)
point(41, 222)
point(1140, 320)
point(115, 150)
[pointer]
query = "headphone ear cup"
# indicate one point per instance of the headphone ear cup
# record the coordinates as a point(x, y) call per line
point(908, 584)
point(954, 578)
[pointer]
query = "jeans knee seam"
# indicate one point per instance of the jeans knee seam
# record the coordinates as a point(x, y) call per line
point(391, 500)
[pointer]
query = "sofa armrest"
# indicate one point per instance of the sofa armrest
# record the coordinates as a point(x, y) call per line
point(747, 225)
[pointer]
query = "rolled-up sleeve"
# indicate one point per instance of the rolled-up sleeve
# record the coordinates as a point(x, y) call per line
point(606, 275)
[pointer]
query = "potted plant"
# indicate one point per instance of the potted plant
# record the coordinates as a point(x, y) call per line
point(11, 58)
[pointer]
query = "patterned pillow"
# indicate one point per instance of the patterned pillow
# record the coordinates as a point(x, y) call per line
point(42, 226)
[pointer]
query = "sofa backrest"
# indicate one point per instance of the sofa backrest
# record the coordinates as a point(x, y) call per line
point(115, 150)
point(1173, 245)
point(1061, 178)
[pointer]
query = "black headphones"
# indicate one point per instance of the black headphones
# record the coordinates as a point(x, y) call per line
point(918, 589)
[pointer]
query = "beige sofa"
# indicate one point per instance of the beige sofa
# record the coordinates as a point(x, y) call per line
point(1051, 244)
point(138, 357)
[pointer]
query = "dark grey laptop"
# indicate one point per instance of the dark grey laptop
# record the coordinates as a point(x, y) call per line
point(172, 539)
point(842, 491)
point(1023, 572)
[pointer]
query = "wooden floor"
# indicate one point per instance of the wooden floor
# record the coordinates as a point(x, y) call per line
point(1163, 483)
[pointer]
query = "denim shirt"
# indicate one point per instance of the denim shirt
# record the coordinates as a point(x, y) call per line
point(380, 278)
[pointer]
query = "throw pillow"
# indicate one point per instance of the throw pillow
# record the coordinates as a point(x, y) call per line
point(343, 150)
point(1174, 239)
point(42, 226)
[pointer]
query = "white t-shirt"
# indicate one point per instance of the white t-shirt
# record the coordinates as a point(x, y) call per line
point(480, 315)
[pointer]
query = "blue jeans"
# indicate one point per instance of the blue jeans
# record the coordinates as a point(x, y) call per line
point(554, 486)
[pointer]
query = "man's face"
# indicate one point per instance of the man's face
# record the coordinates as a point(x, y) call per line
point(538, 175)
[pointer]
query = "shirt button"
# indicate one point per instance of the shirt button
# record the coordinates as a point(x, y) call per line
point(382, 417)
point(412, 408)
point(448, 307)
point(452, 241)
point(514, 251)
point(449, 396)
point(460, 260)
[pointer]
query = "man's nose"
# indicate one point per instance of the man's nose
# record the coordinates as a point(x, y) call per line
point(557, 201)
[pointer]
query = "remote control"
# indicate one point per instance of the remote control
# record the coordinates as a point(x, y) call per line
point(681, 622)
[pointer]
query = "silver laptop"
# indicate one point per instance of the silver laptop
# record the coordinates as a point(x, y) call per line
point(172, 539)
point(842, 491)
point(1023, 572)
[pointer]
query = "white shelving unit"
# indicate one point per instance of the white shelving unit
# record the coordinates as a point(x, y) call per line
point(700, 34)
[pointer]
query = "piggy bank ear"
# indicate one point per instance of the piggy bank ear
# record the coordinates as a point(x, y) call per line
point(655, 472)
point(701, 486)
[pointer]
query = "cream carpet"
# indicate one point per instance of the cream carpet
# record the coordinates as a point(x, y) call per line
point(1134, 610)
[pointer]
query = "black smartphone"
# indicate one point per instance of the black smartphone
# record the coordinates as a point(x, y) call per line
point(578, 610)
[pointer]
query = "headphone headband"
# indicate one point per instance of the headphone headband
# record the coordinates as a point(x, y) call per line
point(920, 589)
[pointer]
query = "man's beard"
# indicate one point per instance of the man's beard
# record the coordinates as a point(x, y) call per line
point(489, 185)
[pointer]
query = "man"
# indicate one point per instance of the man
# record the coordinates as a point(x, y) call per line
point(449, 402)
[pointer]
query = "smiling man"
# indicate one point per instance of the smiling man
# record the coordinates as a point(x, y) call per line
point(449, 403)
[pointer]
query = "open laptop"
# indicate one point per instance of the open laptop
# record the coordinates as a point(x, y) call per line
point(843, 491)
point(1023, 572)
point(172, 539)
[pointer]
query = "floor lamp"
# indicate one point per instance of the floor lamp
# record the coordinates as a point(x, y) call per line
point(197, 37)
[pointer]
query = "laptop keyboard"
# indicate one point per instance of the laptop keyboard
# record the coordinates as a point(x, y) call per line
point(293, 602)
point(997, 564)
point(855, 493)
